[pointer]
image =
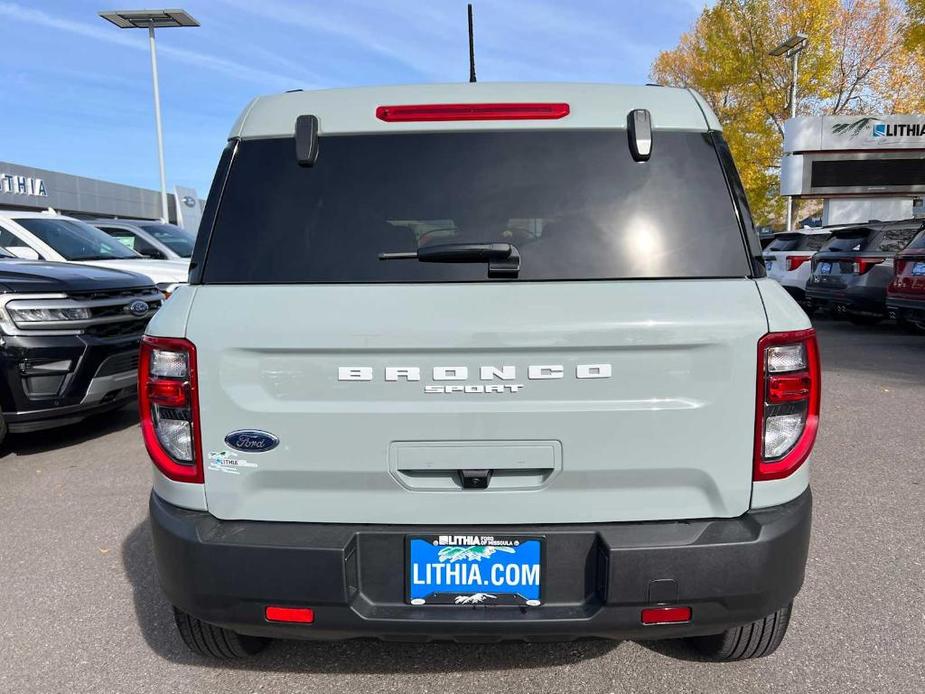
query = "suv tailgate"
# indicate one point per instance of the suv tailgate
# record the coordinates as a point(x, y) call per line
point(669, 434)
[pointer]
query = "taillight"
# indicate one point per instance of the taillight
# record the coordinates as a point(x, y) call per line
point(169, 403)
point(795, 261)
point(862, 265)
point(450, 112)
point(899, 266)
point(787, 409)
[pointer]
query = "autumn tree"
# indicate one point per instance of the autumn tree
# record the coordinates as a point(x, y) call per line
point(915, 25)
point(856, 61)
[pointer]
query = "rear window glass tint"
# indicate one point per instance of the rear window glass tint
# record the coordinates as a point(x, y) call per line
point(813, 242)
point(918, 243)
point(892, 240)
point(798, 242)
point(784, 244)
point(847, 242)
point(574, 203)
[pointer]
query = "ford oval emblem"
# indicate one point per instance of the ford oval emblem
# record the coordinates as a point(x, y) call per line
point(251, 440)
point(138, 308)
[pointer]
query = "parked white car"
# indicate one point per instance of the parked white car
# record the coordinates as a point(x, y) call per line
point(47, 236)
point(787, 259)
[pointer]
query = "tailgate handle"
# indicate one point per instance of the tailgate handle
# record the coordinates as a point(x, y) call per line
point(449, 465)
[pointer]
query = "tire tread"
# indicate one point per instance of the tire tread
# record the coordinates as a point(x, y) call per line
point(213, 641)
point(755, 640)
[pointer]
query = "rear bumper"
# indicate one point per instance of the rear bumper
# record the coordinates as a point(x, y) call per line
point(853, 299)
point(597, 578)
point(908, 309)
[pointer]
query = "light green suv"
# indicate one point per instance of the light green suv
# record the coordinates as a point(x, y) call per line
point(480, 361)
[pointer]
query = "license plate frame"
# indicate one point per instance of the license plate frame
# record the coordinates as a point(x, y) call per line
point(825, 268)
point(473, 580)
point(918, 269)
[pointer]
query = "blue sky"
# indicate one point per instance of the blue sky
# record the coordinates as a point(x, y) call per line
point(76, 93)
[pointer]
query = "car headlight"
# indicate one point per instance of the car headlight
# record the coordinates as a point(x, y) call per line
point(32, 315)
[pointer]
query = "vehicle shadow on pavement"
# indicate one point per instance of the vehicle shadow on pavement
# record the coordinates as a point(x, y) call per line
point(883, 350)
point(71, 435)
point(367, 656)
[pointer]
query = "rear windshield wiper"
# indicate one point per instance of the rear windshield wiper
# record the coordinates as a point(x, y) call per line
point(503, 258)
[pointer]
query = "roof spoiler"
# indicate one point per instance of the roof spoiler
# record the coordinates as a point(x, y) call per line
point(306, 140)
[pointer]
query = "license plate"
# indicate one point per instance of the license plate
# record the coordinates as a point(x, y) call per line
point(825, 268)
point(918, 269)
point(769, 264)
point(474, 570)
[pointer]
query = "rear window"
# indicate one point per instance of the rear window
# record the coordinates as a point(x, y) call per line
point(798, 242)
point(918, 243)
point(892, 240)
point(574, 203)
point(855, 240)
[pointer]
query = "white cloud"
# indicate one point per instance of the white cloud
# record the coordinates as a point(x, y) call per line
point(270, 80)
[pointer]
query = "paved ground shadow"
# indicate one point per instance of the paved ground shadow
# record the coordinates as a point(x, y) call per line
point(883, 350)
point(72, 434)
point(367, 656)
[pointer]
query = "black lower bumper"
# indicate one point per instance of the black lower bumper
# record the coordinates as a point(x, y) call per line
point(48, 381)
point(906, 309)
point(859, 300)
point(597, 578)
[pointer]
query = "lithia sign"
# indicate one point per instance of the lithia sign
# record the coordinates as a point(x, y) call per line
point(22, 185)
point(873, 132)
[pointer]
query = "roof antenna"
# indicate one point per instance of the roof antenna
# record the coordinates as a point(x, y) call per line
point(471, 47)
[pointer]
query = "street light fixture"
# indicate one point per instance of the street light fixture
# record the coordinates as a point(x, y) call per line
point(791, 48)
point(151, 20)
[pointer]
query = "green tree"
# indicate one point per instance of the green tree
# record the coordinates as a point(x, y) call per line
point(856, 62)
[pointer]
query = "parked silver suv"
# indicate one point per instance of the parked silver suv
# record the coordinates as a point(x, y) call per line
point(480, 361)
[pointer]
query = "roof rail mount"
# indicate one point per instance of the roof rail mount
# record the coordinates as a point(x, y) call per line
point(306, 140)
point(639, 129)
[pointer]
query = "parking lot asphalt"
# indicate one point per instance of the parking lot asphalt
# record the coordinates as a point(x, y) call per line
point(80, 609)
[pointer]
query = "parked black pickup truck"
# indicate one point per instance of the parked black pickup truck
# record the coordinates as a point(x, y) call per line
point(69, 337)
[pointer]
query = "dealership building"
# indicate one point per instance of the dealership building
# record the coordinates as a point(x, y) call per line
point(862, 167)
point(29, 188)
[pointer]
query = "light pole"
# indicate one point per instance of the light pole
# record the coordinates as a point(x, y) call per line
point(151, 20)
point(791, 48)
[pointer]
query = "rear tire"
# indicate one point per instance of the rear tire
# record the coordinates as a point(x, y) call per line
point(211, 641)
point(755, 640)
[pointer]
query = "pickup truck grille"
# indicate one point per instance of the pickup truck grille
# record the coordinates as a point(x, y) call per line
point(110, 313)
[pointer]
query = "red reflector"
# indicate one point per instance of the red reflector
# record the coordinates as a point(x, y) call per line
point(444, 112)
point(666, 615)
point(299, 615)
point(167, 392)
point(795, 261)
point(789, 387)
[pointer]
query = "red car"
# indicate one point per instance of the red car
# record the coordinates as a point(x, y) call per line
point(906, 294)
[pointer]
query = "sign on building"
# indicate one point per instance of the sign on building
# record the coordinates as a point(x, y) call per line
point(22, 185)
point(189, 209)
